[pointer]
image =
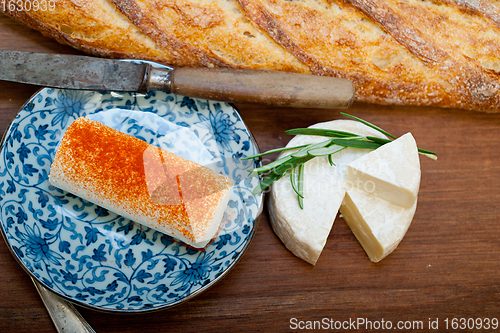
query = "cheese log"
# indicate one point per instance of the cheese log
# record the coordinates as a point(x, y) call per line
point(391, 172)
point(305, 231)
point(144, 183)
point(382, 197)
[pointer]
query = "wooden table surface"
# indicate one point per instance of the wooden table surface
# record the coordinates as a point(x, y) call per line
point(446, 267)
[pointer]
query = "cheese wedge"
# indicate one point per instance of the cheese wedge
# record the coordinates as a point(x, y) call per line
point(391, 172)
point(382, 197)
point(141, 182)
point(305, 231)
point(379, 225)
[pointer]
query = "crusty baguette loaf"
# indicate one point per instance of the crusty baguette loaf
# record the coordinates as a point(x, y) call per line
point(409, 52)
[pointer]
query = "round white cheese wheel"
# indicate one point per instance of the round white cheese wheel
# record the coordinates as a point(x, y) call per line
point(305, 231)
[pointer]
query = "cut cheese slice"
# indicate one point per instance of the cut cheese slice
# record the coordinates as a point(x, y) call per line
point(144, 183)
point(378, 224)
point(391, 172)
point(382, 197)
point(305, 231)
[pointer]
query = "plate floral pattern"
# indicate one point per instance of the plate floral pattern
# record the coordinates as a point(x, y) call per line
point(94, 257)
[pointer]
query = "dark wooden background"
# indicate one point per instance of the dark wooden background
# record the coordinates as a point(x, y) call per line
point(446, 267)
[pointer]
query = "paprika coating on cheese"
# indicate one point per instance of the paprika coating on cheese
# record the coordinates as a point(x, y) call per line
point(139, 181)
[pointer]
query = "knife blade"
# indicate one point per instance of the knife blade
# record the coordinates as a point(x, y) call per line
point(223, 84)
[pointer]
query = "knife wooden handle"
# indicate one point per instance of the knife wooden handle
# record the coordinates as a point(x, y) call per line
point(263, 87)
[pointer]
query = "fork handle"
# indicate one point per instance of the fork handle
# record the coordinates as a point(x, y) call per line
point(63, 314)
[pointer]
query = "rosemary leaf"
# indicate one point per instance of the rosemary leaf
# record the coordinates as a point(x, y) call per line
point(292, 164)
point(356, 143)
point(378, 140)
point(293, 179)
point(326, 150)
point(273, 151)
point(303, 152)
point(368, 124)
point(272, 165)
point(301, 186)
point(426, 152)
point(265, 182)
point(320, 132)
point(278, 172)
point(421, 151)
point(330, 160)
point(432, 156)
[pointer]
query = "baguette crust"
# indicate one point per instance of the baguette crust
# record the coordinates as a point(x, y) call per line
point(408, 52)
point(389, 60)
point(216, 30)
point(146, 23)
point(471, 83)
point(98, 28)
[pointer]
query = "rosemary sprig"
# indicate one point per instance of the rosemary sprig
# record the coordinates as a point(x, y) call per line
point(338, 140)
point(368, 124)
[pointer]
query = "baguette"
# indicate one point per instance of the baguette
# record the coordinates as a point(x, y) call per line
point(405, 52)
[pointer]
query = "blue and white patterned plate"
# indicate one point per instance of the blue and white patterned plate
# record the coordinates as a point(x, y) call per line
point(94, 257)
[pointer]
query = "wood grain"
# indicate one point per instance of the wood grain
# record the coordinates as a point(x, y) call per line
point(447, 266)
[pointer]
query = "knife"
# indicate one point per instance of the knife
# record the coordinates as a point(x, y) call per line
point(222, 84)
